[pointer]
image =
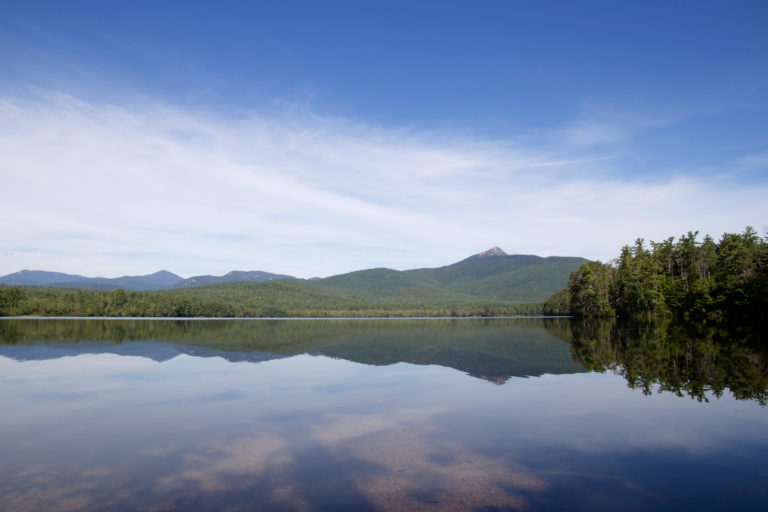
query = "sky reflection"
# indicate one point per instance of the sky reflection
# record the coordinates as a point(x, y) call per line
point(98, 431)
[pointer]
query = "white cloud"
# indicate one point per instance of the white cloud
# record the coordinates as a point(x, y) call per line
point(107, 189)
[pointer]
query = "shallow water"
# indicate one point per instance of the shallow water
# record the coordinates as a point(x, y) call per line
point(355, 415)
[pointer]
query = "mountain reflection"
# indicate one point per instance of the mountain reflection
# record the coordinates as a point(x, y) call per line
point(223, 429)
point(490, 349)
point(687, 359)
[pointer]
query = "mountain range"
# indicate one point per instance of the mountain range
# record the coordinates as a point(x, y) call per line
point(162, 280)
point(490, 275)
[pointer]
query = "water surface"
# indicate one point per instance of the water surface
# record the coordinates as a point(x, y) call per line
point(376, 415)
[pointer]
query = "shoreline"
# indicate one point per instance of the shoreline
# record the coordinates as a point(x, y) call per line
point(198, 318)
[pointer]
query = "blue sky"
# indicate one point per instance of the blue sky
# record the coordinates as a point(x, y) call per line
point(315, 138)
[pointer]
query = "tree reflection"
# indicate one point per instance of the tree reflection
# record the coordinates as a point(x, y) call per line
point(491, 349)
point(699, 360)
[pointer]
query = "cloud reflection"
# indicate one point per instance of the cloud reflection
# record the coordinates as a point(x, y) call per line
point(305, 435)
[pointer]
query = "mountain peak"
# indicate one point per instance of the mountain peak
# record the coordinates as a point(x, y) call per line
point(163, 273)
point(492, 252)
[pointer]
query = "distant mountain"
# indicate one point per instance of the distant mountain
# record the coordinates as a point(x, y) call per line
point(161, 280)
point(490, 275)
point(157, 281)
point(494, 274)
point(38, 278)
point(237, 276)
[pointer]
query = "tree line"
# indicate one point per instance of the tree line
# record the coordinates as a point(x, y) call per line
point(684, 278)
point(272, 300)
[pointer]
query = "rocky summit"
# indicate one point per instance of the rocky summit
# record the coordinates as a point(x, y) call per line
point(492, 252)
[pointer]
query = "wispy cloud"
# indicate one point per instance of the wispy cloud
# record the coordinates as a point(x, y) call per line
point(104, 188)
point(756, 161)
point(603, 124)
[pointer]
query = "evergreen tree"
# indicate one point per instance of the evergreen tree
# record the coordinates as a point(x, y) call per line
point(685, 278)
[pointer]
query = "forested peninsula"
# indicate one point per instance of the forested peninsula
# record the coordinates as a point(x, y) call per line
point(683, 278)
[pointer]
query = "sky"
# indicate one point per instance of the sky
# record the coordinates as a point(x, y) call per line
point(316, 138)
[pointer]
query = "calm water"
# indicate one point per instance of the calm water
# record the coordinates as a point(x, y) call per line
point(379, 415)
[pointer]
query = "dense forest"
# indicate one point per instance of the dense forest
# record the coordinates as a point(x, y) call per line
point(281, 298)
point(686, 278)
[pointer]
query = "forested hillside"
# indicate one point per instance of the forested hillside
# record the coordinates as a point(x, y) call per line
point(486, 284)
point(490, 276)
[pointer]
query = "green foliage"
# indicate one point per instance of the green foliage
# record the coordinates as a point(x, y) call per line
point(280, 298)
point(589, 290)
point(11, 300)
point(558, 304)
point(636, 285)
point(686, 278)
point(386, 285)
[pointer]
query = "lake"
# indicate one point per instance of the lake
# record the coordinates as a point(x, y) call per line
point(443, 414)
